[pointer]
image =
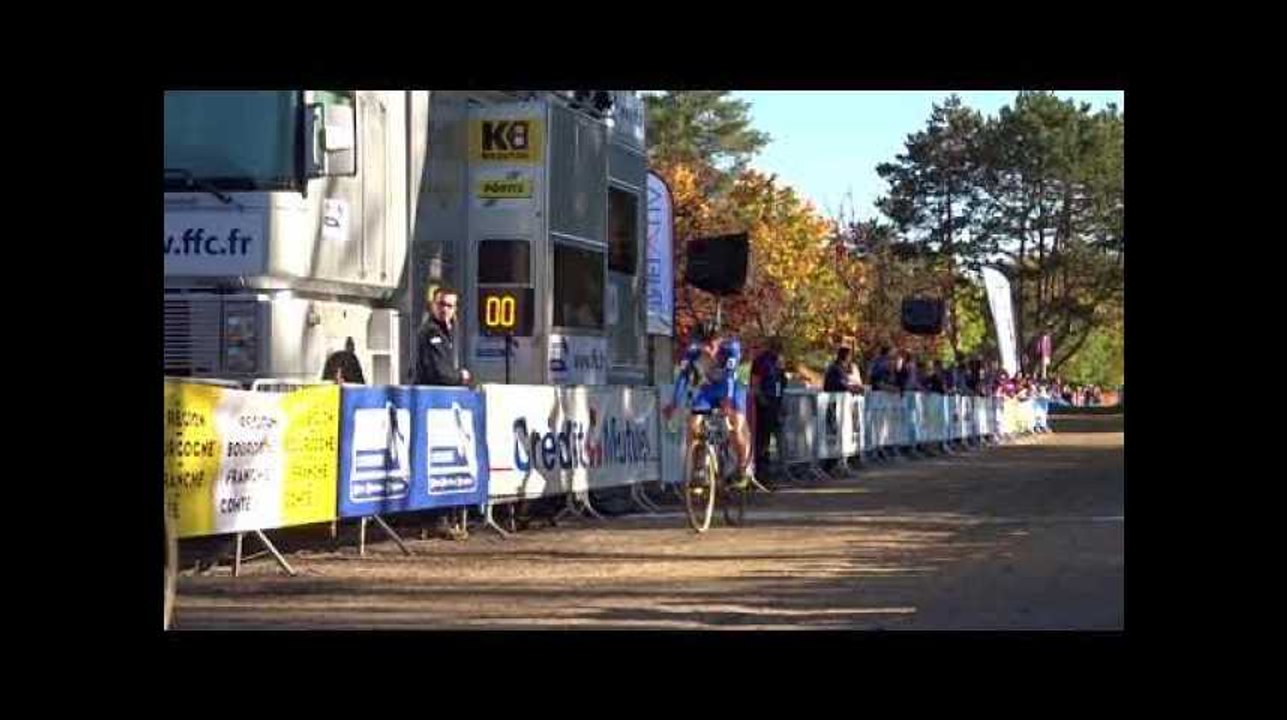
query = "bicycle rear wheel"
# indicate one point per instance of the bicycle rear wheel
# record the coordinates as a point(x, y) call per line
point(735, 505)
point(699, 489)
point(734, 499)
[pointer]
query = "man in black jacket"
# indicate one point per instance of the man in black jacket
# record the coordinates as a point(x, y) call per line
point(436, 365)
point(436, 356)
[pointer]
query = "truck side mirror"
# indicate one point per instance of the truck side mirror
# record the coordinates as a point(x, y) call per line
point(330, 140)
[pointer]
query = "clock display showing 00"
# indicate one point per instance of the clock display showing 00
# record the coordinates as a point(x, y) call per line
point(505, 311)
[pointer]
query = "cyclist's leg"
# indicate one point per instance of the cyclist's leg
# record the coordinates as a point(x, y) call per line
point(739, 437)
point(700, 404)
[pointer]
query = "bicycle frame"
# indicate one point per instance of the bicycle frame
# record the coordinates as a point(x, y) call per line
point(713, 431)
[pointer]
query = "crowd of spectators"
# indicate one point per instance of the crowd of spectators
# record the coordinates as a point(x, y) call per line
point(891, 369)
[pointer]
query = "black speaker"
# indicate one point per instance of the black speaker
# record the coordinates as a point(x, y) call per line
point(923, 316)
point(718, 264)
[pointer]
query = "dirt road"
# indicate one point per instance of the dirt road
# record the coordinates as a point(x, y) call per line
point(1021, 536)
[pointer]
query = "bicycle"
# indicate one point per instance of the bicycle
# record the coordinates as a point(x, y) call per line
point(710, 465)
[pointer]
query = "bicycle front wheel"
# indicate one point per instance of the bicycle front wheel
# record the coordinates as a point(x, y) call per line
point(699, 489)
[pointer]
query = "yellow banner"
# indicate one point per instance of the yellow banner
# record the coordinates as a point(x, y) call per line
point(238, 460)
point(508, 140)
point(192, 456)
point(504, 188)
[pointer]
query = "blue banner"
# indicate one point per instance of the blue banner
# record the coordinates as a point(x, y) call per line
point(410, 448)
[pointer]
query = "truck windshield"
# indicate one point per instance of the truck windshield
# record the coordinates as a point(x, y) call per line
point(232, 140)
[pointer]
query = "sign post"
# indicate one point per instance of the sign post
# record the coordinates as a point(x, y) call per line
point(507, 312)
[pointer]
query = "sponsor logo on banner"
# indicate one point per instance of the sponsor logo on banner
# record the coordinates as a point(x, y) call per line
point(453, 467)
point(660, 266)
point(505, 188)
point(501, 191)
point(381, 456)
point(590, 443)
point(578, 360)
point(514, 140)
point(410, 448)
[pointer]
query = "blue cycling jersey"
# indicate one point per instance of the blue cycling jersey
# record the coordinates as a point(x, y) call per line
point(713, 376)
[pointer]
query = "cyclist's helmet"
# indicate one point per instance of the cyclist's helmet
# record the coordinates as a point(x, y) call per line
point(704, 331)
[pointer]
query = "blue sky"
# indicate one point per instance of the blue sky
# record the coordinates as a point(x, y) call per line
point(826, 144)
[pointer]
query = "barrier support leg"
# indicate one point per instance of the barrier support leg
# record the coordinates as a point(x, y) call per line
point(392, 535)
point(277, 555)
point(362, 536)
point(643, 495)
point(463, 527)
point(569, 509)
point(236, 557)
point(490, 521)
point(641, 500)
point(818, 474)
point(634, 498)
point(585, 502)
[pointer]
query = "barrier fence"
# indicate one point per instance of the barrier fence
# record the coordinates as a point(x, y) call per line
point(239, 460)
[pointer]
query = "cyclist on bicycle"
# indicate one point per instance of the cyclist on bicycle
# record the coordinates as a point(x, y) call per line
point(709, 366)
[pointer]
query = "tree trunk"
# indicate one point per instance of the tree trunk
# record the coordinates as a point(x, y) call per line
point(949, 248)
point(1018, 305)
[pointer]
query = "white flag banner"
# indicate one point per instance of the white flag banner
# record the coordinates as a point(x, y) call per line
point(661, 270)
point(1002, 305)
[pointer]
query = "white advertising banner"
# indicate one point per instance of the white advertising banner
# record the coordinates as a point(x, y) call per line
point(962, 418)
point(799, 424)
point(829, 425)
point(672, 433)
point(543, 440)
point(1002, 305)
point(888, 415)
point(954, 418)
point(983, 407)
point(934, 421)
point(523, 430)
point(851, 429)
point(661, 270)
point(877, 428)
point(618, 431)
point(971, 416)
point(914, 407)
